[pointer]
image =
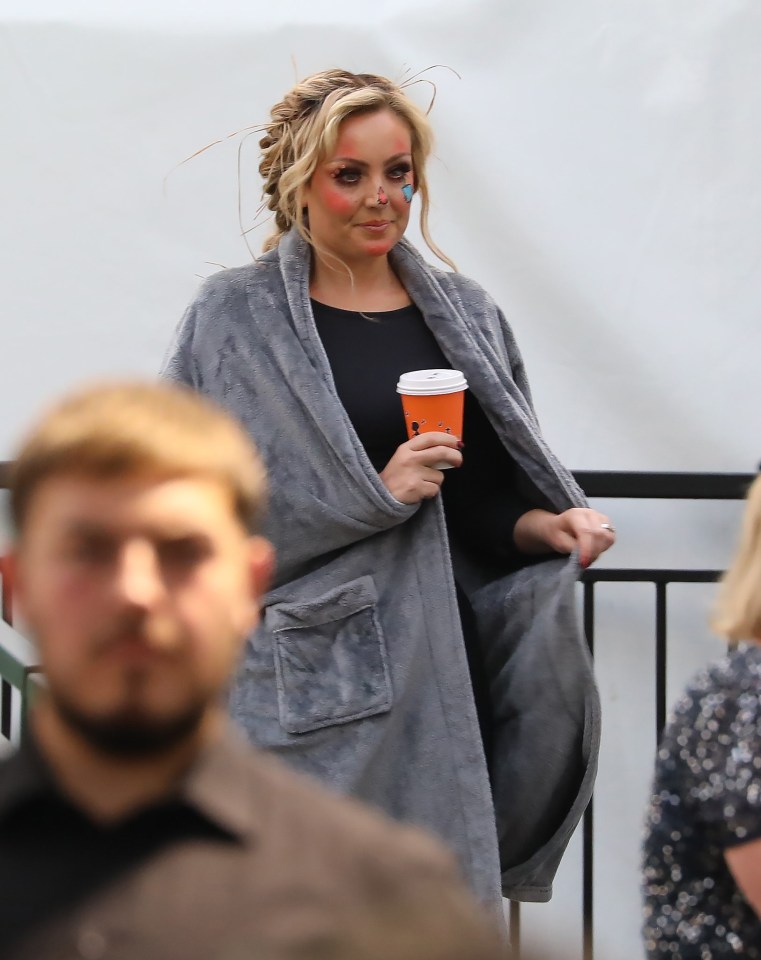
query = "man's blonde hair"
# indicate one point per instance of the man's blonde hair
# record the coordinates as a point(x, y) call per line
point(162, 430)
point(737, 613)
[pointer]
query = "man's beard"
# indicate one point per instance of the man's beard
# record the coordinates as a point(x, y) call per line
point(130, 731)
point(129, 734)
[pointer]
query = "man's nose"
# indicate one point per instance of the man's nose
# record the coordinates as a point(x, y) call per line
point(139, 579)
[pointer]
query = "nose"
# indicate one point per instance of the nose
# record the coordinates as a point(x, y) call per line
point(139, 581)
point(378, 199)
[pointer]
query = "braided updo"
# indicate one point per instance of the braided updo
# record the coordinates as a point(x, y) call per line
point(304, 127)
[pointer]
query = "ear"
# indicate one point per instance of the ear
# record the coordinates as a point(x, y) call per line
point(10, 584)
point(261, 565)
point(260, 562)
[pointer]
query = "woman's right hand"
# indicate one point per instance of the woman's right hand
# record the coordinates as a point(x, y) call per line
point(411, 476)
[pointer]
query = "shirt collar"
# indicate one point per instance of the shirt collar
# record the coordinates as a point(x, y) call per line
point(218, 785)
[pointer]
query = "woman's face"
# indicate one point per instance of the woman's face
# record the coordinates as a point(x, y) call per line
point(357, 207)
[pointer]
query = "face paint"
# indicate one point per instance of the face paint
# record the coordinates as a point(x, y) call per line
point(407, 191)
point(354, 199)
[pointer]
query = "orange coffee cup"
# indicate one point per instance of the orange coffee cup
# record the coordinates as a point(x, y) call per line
point(433, 400)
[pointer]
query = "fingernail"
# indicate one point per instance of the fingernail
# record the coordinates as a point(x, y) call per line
point(460, 445)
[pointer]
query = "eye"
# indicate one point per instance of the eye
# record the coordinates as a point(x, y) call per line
point(347, 176)
point(182, 553)
point(90, 551)
point(400, 171)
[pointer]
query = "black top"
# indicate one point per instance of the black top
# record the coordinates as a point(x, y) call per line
point(54, 858)
point(367, 353)
point(706, 798)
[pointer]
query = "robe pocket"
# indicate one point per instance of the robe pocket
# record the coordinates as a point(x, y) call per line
point(331, 662)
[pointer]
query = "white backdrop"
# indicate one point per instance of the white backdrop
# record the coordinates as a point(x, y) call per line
point(597, 170)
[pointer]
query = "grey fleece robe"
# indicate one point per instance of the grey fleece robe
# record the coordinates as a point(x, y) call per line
point(358, 672)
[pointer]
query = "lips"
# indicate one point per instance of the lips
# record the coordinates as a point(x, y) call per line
point(375, 226)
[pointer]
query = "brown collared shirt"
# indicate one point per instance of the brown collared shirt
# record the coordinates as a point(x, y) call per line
point(246, 860)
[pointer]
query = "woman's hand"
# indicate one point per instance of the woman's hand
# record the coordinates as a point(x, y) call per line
point(411, 475)
point(582, 529)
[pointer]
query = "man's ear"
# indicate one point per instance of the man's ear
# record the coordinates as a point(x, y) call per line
point(261, 563)
point(10, 585)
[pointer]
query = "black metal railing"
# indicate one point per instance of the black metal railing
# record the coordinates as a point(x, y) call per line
point(641, 486)
point(19, 669)
point(15, 668)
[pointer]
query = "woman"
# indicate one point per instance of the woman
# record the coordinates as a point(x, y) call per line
point(702, 849)
point(409, 607)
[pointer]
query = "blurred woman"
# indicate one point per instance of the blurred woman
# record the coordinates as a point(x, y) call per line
point(421, 636)
point(702, 849)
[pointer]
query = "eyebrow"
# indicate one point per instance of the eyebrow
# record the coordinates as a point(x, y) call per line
point(361, 163)
point(89, 530)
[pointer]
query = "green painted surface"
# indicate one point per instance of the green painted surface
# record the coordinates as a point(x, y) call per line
point(19, 667)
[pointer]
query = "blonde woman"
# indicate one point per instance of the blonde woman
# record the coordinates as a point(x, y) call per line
point(702, 851)
point(421, 637)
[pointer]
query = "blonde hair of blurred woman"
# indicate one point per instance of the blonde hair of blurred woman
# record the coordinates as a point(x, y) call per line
point(737, 614)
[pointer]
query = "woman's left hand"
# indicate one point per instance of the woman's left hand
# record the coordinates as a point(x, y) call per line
point(580, 528)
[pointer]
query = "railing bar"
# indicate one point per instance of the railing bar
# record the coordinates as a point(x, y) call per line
point(588, 883)
point(589, 614)
point(588, 828)
point(660, 658)
point(515, 930)
point(626, 484)
point(6, 693)
point(648, 485)
point(647, 575)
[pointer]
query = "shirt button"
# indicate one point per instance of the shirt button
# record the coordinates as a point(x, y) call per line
point(91, 944)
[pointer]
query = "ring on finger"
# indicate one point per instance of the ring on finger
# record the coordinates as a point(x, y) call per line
point(608, 526)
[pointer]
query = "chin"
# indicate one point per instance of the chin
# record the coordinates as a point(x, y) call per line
point(134, 729)
point(379, 248)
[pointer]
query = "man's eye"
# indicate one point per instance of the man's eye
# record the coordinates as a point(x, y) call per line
point(92, 552)
point(347, 176)
point(182, 553)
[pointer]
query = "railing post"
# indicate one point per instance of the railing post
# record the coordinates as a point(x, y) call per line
point(6, 693)
point(515, 930)
point(30, 693)
point(660, 658)
point(588, 835)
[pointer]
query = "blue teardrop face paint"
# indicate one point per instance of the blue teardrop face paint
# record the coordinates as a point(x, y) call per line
point(407, 191)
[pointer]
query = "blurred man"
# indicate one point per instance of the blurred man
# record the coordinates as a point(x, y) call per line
point(133, 822)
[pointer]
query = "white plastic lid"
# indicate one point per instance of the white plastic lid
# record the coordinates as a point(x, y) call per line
point(430, 382)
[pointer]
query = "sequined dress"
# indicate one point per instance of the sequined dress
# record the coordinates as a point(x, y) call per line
point(706, 798)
